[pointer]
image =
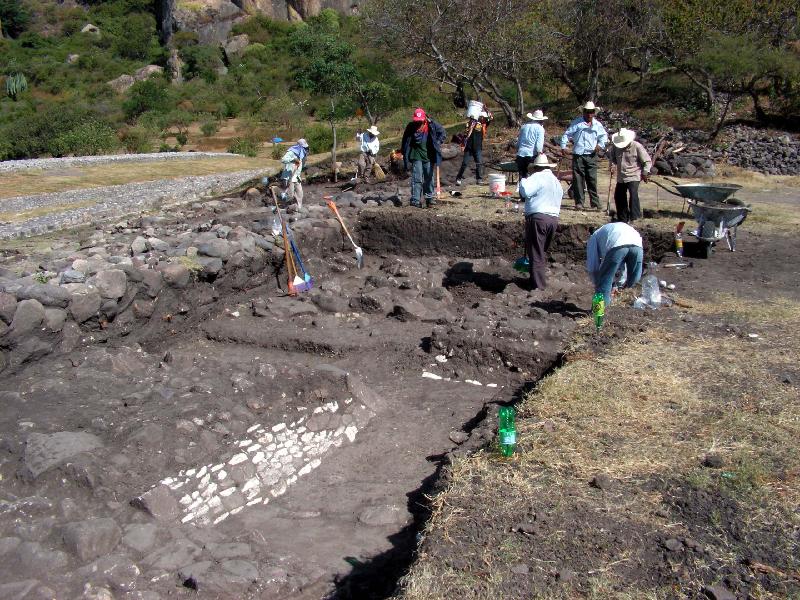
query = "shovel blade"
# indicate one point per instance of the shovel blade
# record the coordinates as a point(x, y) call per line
point(359, 257)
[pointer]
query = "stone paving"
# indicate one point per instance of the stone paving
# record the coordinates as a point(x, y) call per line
point(80, 207)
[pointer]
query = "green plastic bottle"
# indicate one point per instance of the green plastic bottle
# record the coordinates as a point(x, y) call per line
point(598, 309)
point(507, 430)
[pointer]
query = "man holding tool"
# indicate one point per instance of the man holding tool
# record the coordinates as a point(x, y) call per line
point(422, 148)
point(473, 145)
point(631, 163)
point(370, 145)
point(293, 162)
point(588, 137)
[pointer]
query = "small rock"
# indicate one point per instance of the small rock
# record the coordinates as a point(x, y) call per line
point(520, 569)
point(121, 83)
point(8, 306)
point(601, 481)
point(176, 275)
point(383, 515)
point(85, 305)
point(45, 451)
point(92, 538)
point(718, 592)
point(526, 528)
point(111, 283)
point(242, 569)
point(565, 575)
point(138, 245)
point(158, 503)
point(153, 243)
point(673, 545)
point(215, 248)
point(152, 281)
point(54, 319)
point(36, 559)
point(713, 460)
point(73, 276)
point(117, 572)
point(787, 379)
point(458, 437)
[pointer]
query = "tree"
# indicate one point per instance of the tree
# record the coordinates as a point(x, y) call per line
point(483, 44)
point(14, 18)
point(329, 69)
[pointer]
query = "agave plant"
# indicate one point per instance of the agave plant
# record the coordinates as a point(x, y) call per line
point(15, 85)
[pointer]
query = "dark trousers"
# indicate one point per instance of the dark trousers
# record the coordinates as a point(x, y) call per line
point(627, 211)
point(474, 152)
point(539, 232)
point(584, 172)
point(522, 165)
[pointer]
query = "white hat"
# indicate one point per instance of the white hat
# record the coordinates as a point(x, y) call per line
point(623, 137)
point(589, 107)
point(373, 130)
point(537, 115)
point(303, 143)
point(543, 162)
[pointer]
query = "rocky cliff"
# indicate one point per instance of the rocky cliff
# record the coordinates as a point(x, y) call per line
point(212, 20)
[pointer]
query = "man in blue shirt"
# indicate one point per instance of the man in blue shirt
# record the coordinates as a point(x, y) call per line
point(530, 143)
point(542, 193)
point(587, 136)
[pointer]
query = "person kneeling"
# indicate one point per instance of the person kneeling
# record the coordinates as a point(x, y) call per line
point(542, 194)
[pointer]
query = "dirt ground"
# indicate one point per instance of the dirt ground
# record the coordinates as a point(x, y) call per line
point(394, 373)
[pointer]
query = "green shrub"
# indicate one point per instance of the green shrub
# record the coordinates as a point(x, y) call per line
point(143, 96)
point(249, 146)
point(231, 107)
point(14, 17)
point(165, 147)
point(88, 138)
point(138, 140)
point(135, 42)
point(319, 138)
point(209, 128)
point(181, 138)
point(201, 61)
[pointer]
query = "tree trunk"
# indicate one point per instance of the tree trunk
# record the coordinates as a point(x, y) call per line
point(759, 110)
point(520, 98)
point(721, 121)
point(494, 94)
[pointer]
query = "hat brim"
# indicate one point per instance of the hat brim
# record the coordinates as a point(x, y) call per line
point(547, 166)
point(626, 141)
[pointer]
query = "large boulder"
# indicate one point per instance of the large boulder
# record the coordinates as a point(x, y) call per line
point(147, 72)
point(45, 451)
point(111, 283)
point(235, 45)
point(122, 83)
point(46, 294)
point(8, 306)
point(28, 316)
point(85, 304)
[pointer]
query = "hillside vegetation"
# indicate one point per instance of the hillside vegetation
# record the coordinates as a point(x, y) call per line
point(676, 61)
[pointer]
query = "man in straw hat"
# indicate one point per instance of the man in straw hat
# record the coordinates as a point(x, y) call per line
point(530, 142)
point(542, 193)
point(369, 144)
point(293, 162)
point(588, 136)
point(631, 163)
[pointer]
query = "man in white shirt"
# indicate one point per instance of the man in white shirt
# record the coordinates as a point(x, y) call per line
point(542, 193)
point(611, 246)
point(370, 145)
point(530, 142)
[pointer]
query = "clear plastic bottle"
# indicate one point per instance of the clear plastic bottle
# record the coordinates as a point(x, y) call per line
point(276, 226)
point(507, 430)
point(651, 290)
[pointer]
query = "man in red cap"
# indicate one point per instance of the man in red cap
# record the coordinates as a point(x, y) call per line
point(422, 142)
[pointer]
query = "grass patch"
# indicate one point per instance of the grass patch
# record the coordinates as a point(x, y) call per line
point(47, 181)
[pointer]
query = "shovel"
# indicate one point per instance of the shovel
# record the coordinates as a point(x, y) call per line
point(359, 251)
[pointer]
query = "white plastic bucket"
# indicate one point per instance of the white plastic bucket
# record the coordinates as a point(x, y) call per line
point(474, 109)
point(497, 184)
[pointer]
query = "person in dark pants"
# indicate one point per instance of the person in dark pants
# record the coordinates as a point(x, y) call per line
point(530, 142)
point(542, 193)
point(473, 146)
point(588, 136)
point(422, 148)
point(631, 163)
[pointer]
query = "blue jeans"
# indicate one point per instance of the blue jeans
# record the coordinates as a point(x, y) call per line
point(421, 182)
point(631, 256)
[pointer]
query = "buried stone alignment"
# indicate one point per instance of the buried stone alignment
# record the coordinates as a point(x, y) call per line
point(173, 423)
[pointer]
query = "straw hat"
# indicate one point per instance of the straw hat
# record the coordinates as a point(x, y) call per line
point(374, 131)
point(537, 115)
point(623, 137)
point(589, 107)
point(302, 143)
point(543, 162)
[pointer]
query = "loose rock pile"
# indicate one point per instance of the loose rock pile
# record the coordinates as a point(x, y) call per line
point(765, 152)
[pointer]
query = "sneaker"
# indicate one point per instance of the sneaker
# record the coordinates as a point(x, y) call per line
point(458, 182)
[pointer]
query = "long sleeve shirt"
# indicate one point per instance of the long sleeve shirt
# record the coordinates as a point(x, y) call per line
point(369, 144)
point(542, 193)
point(292, 164)
point(531, 140)
point(585, 137)
point(630, 161)
point(609, 236)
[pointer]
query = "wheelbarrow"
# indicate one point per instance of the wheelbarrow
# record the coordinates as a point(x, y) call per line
point(701, 192)
point(717, 221)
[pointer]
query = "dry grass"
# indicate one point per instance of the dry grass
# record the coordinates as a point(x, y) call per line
point(649, 408)
point(16, 217)
point(75, 178)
